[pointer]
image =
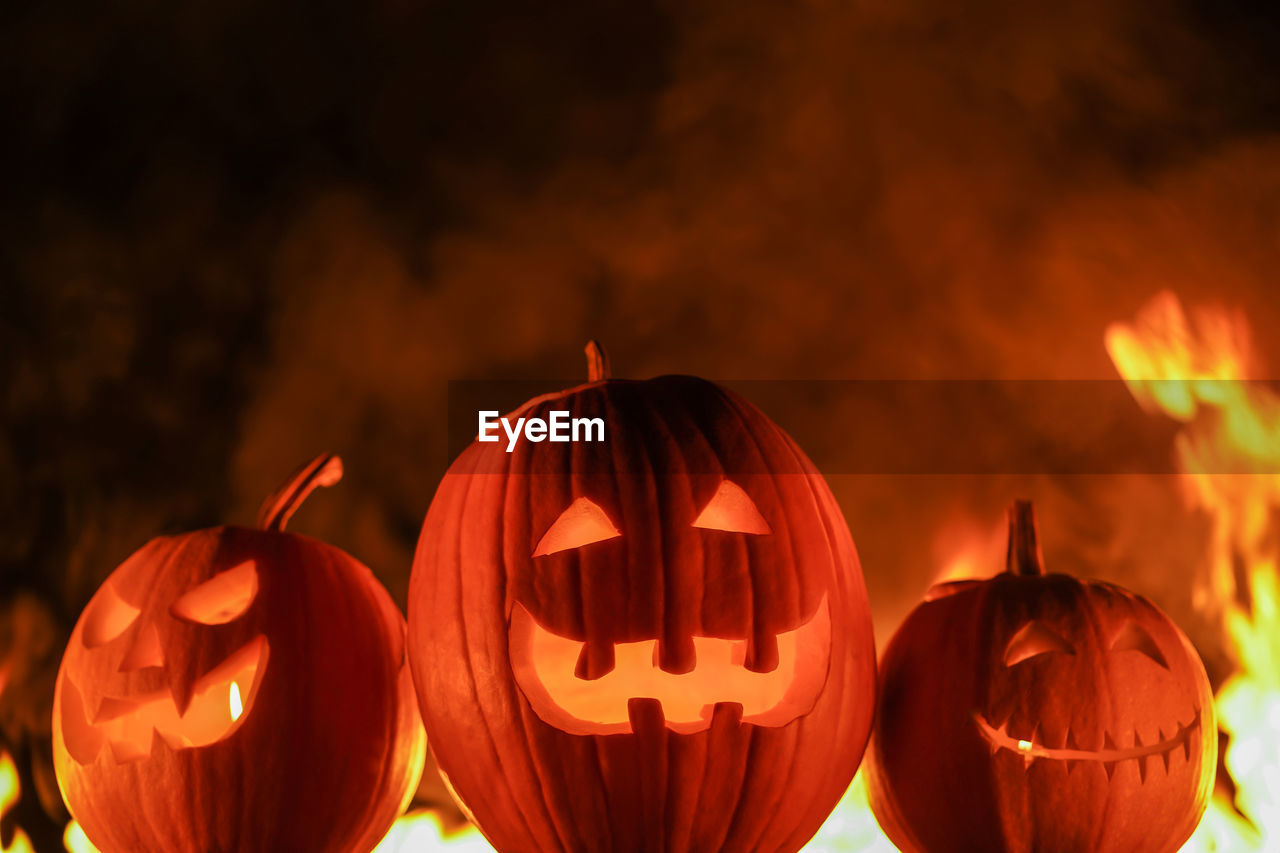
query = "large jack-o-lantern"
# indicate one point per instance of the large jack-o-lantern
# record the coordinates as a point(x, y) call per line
point(240, 690)
point(660, 641)
point(1035, 712)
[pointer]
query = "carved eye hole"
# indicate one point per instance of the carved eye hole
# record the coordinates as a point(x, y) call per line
point(731, 509)
point(1133, 637)
point(221, 599)
point(580, 524)
point(1035, 639)
point(107, 617)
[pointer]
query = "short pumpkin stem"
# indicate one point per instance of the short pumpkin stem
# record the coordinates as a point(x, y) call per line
point(597, 362)
point(324, 470)
point(1023, 557)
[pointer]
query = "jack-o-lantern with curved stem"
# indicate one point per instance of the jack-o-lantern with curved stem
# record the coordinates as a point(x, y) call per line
point(238, 689)
point(1039, 712)
point(658, 641)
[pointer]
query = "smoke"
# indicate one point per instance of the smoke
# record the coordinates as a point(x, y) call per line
point(829, 190)
point(238, 234)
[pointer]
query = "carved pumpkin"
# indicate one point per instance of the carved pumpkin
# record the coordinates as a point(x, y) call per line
point(1040, 712)
point(238, 690)
point(656, 642)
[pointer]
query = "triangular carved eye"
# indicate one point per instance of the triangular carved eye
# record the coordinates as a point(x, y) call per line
point(107, 617)
point(1032, 640)
point(221, 599)
point(1133, 637)
point(581, 524)
point(731, 509)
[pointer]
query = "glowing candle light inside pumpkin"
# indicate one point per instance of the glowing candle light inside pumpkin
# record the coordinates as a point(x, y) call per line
point(1024, 745)
point(237, 707)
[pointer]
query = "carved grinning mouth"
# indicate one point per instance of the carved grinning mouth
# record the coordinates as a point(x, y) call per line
point(1109, 755)
point(636, 691)
point(220, 702)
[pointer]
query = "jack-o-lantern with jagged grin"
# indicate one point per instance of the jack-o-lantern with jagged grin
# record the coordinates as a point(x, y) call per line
point(658, 641)
point(1034, 712)
point(238, 689)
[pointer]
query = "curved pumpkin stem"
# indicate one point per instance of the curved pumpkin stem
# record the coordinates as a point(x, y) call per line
point(324, 470)
point(597, 362)
point(1023, 557)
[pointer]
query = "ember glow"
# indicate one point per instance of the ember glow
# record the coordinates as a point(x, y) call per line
point(1230, 426)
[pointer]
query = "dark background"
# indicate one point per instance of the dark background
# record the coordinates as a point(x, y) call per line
point(235, 234)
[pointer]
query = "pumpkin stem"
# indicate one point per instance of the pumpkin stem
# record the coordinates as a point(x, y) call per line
point(597, 362)
point(1023, 557)
point(324, 470)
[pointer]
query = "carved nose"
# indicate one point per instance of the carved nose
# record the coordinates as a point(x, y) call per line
point(145, 650)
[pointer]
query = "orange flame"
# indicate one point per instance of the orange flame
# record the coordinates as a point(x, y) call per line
point(10, 791)
point(422, 831)
point(851, 828)
point(966, 550)
point(1189, 370)
point(76, 841)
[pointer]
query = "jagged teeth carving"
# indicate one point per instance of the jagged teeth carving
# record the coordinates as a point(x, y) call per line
point(1152, 750)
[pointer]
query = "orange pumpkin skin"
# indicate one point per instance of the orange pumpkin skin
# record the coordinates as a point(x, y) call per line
point(327, 748)
point(532, 775)
point(1034, 712)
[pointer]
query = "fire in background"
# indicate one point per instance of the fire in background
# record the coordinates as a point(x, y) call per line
point(232, 238)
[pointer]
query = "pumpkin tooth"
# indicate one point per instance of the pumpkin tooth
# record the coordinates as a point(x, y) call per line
point(1025, 745)
point(1110, 767)
point(82, 739)
point(676, 654)
point(1089, 740)
point(726, 713)
point(646, 716)
point(1070, 742)
point(1144, 767)
point(992, 738)
point(1165, 757)
point(1004, 731)
point(111, 708)
point(1186, 745)
point(145, 652)
point(1108, 743)
point(127, 752)
point(596, 660)
point(762, 652)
